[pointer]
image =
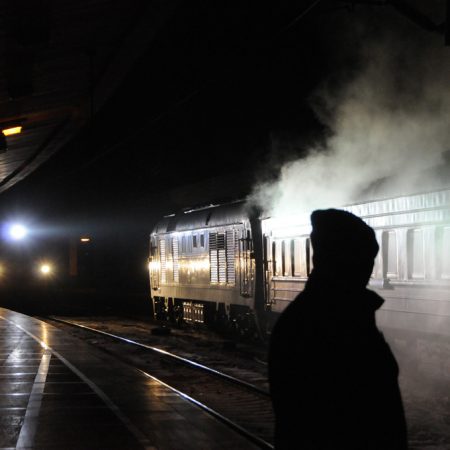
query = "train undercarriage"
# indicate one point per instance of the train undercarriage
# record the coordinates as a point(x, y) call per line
point(233, 320)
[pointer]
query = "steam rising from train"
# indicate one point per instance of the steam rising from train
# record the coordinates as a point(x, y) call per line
point(389, 130)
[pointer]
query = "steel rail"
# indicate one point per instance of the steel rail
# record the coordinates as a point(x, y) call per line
point(250, 436)
point(186, 361)
point(261, 443)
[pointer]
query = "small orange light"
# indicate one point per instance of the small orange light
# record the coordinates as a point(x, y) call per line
point(13, 130)
point(85, 239)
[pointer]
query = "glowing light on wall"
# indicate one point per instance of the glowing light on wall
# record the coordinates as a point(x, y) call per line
point(12, 130)
point(45, 269)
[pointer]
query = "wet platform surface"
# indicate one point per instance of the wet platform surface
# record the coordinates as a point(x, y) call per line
point(57, 392)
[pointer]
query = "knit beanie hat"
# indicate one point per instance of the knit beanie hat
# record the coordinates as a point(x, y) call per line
point(338, 233)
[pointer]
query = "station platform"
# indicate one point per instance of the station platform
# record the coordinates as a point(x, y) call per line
point(57, 392)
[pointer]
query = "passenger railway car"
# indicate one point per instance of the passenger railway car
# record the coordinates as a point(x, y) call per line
point(226, 264)
point(412, 268)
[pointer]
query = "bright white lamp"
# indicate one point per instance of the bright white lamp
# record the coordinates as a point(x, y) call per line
point(18, 232)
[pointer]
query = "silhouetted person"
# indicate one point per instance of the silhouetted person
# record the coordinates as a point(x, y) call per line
point(333, 377)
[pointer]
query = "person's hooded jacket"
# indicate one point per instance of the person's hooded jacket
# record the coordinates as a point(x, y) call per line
point(333, 377)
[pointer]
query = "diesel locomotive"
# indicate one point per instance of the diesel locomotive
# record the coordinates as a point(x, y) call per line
point(230, 265)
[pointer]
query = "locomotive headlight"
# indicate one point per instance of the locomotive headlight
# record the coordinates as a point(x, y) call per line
point(153, 266)
point(18, 231)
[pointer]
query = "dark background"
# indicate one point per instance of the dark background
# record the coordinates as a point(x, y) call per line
point(212, 106)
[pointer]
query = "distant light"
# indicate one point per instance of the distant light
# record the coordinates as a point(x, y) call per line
point(45, 269)
point(12, 130)
point(17, 232)
point(85, 239)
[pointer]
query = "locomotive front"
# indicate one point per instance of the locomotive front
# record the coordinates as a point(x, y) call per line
point(202, 267)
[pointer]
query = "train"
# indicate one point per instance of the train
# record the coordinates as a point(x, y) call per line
point(228, 264)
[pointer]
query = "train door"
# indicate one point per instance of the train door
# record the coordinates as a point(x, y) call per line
point(285, 261)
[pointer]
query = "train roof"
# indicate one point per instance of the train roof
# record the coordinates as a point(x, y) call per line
point(401, 211)
point(204, 217)
point(415, 208)
point(402, 203)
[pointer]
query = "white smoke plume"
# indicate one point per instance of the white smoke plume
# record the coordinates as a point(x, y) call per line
point(390, 124)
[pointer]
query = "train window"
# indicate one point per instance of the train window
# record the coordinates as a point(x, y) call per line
point(202, 240)
point(297, 269)
point(308, 253)
point(390, 254)
point(194, 241)
point(444, 256)
point(280, 260)
point(300, 266)
point(283, 259)
point(416, 257)
point(183, 244)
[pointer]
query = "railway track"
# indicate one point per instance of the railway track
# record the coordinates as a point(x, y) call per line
point(241, 405)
